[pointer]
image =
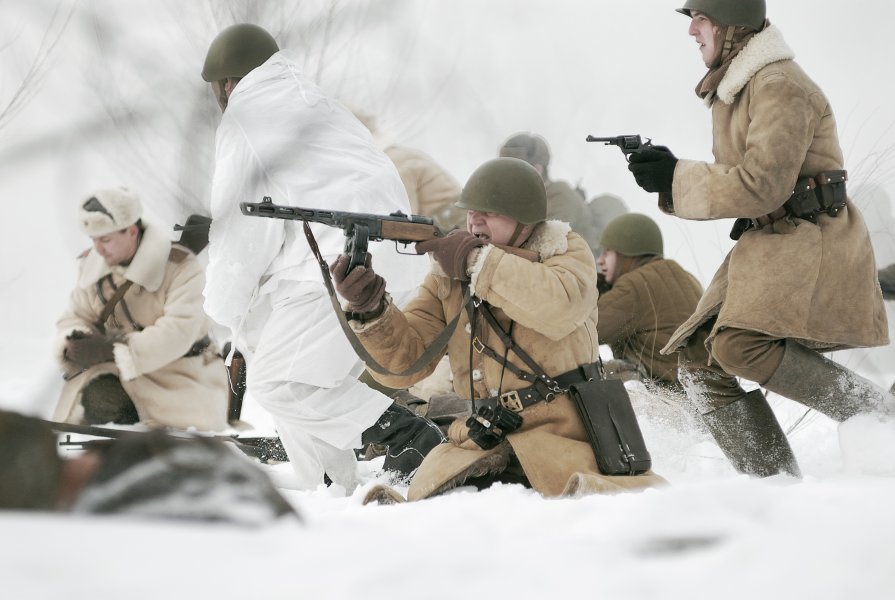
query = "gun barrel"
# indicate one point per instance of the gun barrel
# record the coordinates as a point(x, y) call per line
point(607, 140)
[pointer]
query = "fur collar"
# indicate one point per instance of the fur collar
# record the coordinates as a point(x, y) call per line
point(147, 269)
point(765, 48)
point(549, 239)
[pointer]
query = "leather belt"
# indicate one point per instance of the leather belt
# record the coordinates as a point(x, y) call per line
point(812, 196)
point(544, 390)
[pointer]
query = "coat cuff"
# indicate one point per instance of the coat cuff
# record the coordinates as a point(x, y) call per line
point(477, 266)
point(368, 324)
point(124, 360)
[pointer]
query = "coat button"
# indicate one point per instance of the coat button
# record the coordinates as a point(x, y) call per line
point(476, 375)
point(492, 392)
point(468, 328)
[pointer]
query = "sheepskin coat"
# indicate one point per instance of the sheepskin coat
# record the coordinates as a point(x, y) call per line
point(550, 304)
point(156, 323)
point(812, 282)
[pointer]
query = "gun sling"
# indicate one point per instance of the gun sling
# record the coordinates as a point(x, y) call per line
point(434, 350)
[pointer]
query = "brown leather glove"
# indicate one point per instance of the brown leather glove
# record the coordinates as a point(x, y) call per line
point(452, 252)
point(362, 287)
point(88, 350)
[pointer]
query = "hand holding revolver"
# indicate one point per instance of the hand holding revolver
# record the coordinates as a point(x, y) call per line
point(653, 168)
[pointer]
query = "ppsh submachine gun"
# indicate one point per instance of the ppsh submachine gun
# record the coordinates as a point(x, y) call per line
point(359, 228)
point(628, 144)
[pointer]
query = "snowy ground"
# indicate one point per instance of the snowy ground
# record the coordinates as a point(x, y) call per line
point(711, 534)
point(454, 79)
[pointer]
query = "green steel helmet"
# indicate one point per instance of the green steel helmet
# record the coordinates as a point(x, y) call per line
point(529, 147)
point(237, 50)
point(506, 186)
point(747, 13)
point(632, 234)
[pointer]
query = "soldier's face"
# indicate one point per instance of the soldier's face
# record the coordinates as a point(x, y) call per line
point(495, 228)
point(119, 247)
point(704, 32)
point(606, 262)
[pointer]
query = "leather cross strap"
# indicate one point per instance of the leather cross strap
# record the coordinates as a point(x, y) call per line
point(110, 305)
point(434, 350)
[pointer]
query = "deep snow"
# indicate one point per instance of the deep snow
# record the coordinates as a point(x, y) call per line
point(454, 78)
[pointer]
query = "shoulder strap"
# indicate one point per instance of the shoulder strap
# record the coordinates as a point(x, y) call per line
point(435, 349)
point(110, 305)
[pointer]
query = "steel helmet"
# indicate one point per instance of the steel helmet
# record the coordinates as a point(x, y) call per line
point(237, 50)
point(506, 186)
point(747, 13)
point(527, 146)
point(632, 234)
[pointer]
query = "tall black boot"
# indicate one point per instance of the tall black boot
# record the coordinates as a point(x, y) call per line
point(408, 438)
point(750, 436)
point(809, 378)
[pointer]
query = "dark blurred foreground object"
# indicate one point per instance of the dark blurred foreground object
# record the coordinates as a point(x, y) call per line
point(159, 476)
point(887, 281)
point(144, 474)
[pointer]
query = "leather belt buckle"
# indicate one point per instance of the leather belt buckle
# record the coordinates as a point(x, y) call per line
point(477, 345)
point(511, 401)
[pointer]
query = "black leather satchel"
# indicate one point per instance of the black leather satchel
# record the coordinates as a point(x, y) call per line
point(611, 426)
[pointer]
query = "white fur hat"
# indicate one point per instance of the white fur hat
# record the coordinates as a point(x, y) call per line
point(108, 210)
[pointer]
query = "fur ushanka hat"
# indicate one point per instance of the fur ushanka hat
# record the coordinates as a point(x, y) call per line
point(108, 210)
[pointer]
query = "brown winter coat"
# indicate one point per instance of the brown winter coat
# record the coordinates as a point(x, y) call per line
point(642, 310)
point(815, 283)
point(167, 388)
point(550, 303)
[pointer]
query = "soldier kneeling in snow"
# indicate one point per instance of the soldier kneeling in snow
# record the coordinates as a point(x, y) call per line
point(133, 342)
point(532, 285)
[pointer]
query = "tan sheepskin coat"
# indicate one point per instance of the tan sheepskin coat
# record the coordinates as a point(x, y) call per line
point(815, 283)
point(551, 303)
point(167, 388)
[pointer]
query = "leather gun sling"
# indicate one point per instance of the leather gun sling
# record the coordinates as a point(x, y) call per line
point(438, 344)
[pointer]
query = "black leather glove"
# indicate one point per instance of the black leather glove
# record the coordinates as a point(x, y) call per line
point(86, 350)
point(452, 251)
point(653, 168)
point(362, 287)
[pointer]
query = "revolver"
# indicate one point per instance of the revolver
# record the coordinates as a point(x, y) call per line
point(628, 144)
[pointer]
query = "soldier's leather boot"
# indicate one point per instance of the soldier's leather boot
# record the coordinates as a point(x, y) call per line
point(408, 438)
point(751, 438)
point(811, 379)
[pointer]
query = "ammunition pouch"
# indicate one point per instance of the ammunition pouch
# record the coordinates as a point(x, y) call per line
point(822, 194)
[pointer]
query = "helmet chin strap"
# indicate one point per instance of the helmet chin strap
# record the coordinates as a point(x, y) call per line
point(727, 47)
point(516, 233)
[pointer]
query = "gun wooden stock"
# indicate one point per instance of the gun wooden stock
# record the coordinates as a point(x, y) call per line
point(409, 232)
